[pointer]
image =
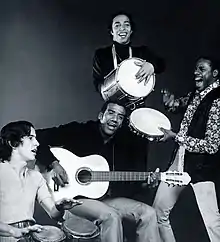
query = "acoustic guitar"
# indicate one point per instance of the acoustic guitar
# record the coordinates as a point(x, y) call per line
point(90, 176)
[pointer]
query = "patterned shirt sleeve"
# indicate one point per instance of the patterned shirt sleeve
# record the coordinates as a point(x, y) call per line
point(211, 142)
point(179, 104)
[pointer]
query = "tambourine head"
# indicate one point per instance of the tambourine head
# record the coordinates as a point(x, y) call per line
point(146, 121)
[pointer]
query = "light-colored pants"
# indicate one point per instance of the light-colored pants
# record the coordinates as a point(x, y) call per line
point(205, 194)
point(109, 213)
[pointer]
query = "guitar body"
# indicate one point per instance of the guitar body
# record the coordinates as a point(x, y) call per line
point(72, 165)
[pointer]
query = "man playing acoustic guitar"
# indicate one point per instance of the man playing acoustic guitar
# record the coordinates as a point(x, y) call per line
point(124, 151)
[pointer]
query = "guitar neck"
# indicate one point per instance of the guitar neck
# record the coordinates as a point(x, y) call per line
point(120, 176)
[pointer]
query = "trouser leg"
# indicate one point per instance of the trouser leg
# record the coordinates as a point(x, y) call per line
point(106, 217)
point(164, 201)
point(142, 214)
point(206, 199)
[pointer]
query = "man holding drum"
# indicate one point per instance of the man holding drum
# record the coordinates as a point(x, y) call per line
point(20, 185)
point(121, 28)
point(123, 151)
point(197, 149)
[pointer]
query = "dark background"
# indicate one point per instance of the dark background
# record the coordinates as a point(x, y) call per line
point(47, 47)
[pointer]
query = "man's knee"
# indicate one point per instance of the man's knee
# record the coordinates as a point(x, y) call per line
point(149, 212)
point(111, 218)
point(162, 213)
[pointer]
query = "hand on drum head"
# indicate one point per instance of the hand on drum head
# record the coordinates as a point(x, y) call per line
point(168, 98)
point(66, 204)
point(168, 134)
point(144, 73)
point(35, 228)
point(20, 232)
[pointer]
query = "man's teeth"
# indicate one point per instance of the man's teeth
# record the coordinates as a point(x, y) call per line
point(122, 34)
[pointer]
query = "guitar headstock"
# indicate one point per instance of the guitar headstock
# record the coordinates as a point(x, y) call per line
point(175, 178)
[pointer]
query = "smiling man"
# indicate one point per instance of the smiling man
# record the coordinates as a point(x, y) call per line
point(121, 28)
point(124, 152)
point(197, 149)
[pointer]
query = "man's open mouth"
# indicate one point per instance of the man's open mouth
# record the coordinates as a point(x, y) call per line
point(34, 151)
point(122, 34)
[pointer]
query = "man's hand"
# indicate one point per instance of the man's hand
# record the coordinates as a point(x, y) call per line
point(20, 232)
point(168, 98)
point(168, 134)
point(66, 204)
point(60, 175)
point(152, 179)
point(145, 72)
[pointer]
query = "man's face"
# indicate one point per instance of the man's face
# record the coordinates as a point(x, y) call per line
point(28, 147)
point(204, 74)
point(121, 29)
point(112, 118)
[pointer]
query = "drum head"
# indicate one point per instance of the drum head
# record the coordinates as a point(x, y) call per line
point(49, 234)
point(80, 228)
point(128, 82)
point(147, 121)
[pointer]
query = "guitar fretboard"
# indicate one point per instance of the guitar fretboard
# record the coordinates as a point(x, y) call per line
point(120, 176)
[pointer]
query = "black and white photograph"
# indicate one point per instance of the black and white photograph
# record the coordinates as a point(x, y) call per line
point(109, 121)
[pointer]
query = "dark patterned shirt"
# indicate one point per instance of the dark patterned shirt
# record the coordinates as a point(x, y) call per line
point(211, 141)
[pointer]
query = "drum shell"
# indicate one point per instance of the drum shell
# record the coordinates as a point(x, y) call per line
point(48, 234)
point(80, 230)
point(112, 88)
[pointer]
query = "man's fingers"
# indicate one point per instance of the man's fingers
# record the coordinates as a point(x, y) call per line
point(147, 80)
point(162, 139)
point(58, 180)
point(157, 169)
point(25, 231)
point(139, 74)
point(64, 177)
point(149, 179)
point(138, 63)
point(36, 228)
point(78, 202)
point(162, 129)
point(141, 79)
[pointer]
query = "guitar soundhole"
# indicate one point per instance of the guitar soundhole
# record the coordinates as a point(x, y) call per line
point(84, 176)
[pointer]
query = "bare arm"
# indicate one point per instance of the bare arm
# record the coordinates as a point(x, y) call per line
point(54, 210)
